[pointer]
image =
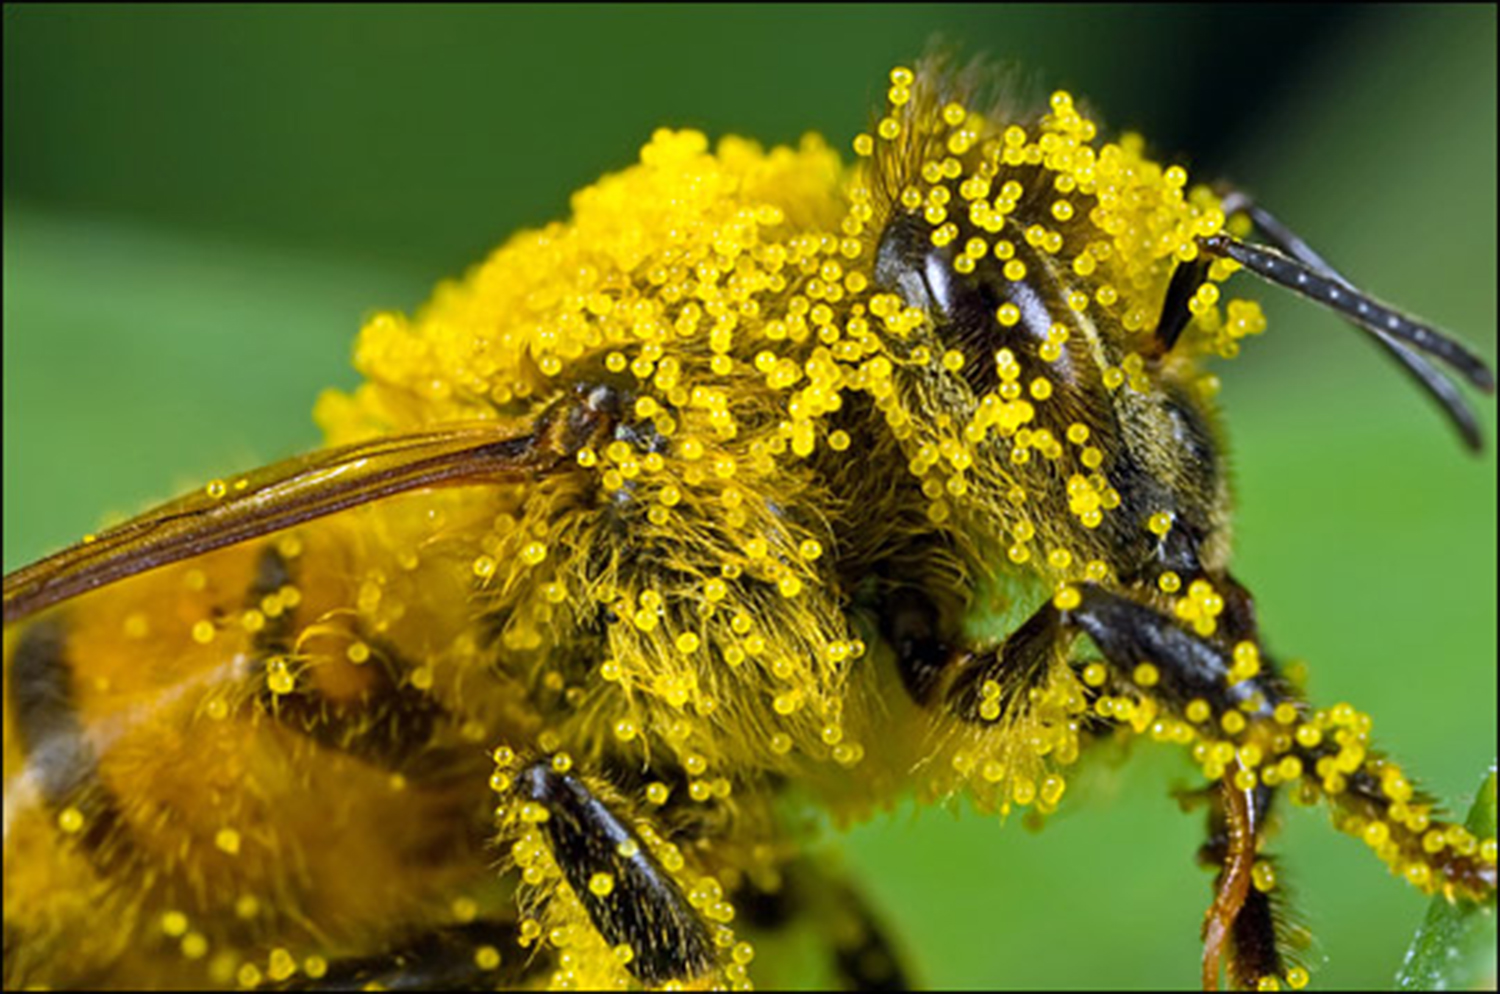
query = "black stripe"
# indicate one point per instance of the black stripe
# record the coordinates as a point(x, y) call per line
point(441, 960)
point(52, 740)
point(390, 726)
point(271, 574)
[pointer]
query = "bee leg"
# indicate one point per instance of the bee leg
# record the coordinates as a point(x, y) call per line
point(463, 957)
point(632, 901)
point(1240, 929)
point(1241, 923)
point(1270, 738)
point(1325, 754)
point(939, 671)
point(863, 957)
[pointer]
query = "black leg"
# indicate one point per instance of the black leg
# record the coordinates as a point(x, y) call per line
point(938, 671)
point(1240, 929)
point(1250, 733)
point(1254, 736)
point(631, 900)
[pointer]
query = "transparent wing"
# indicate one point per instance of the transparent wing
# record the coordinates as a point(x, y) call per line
point(288, 493)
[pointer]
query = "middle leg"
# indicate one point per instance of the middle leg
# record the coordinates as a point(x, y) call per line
point(603, 886)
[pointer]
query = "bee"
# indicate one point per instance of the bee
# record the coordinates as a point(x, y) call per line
point(763, 484)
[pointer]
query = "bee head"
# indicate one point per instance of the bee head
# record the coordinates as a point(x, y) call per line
point(1046, 299)
point(1022, 269)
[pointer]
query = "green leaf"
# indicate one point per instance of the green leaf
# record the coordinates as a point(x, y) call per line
point(1455, 947)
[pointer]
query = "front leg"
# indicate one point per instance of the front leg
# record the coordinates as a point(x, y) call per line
point(1248, 731)
point(1145, 654)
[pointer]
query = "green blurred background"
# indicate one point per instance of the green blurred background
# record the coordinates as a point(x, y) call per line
point(200, 205)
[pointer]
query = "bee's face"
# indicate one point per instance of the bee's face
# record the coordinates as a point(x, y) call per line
point(1028, 271)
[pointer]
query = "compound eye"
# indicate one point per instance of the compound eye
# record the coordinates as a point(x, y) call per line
point(970, 309)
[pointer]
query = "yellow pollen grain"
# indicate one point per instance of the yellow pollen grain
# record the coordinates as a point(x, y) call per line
point(280, 965)
point(227, 840)
point(278, 678)
point(137, 625)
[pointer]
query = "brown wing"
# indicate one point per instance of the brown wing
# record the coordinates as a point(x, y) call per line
point(300, 489)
